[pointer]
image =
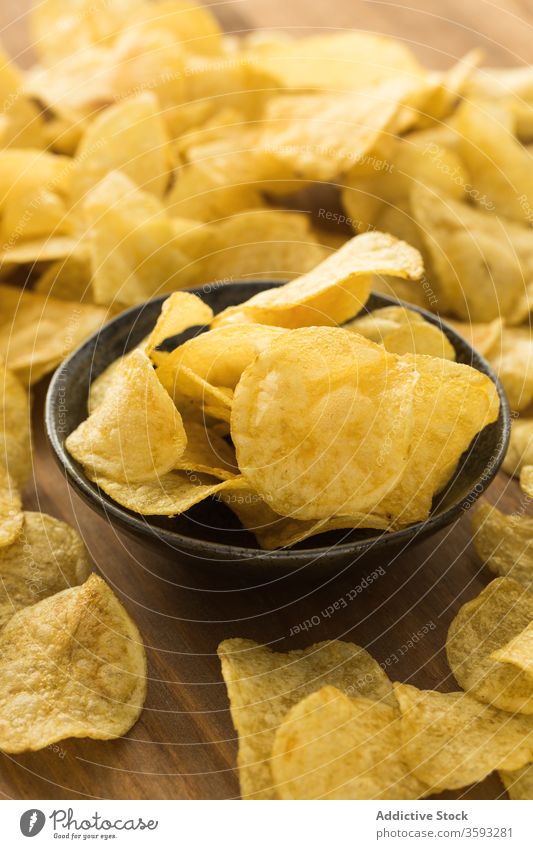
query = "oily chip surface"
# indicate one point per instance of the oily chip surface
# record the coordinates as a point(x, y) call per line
point(72, 665)
point(263, 685)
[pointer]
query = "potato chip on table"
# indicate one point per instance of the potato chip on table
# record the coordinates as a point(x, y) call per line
point(38, 332)
point(11, 515)
point(450, 740)
point(330, 746)
point(73, 665)
point(15, 436)
point(46, 557)
point(489, 646)
point(263, 685)
point(504, 543)
point(334, 291)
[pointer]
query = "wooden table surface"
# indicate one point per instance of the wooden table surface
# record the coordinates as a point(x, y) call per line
point(184, 745)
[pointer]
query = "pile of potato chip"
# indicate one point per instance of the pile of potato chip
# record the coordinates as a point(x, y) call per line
point(327, 723)
point(301, 417)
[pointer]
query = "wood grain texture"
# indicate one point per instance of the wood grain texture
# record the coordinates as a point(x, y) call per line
point(184, 745)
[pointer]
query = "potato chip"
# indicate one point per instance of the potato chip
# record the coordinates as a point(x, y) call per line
point(133, 250)
point(142, 54)
point(512, 360)
point(274, 531)
point(44, 249)
point(482, 337)
point(191, 392)
point(129, 136)
point(403, 331)
point(330, 746)
point(11, 515)
point(504, 543)
point(76, 663)
point(479, 261)
point(335, 290)
point(232, 81)
point(188, 23)
point(47, 556)
point(519, 784)
point(136, 433)
point(15, 437)
point(320, 136)
point(101, 385)
point(179, 311)
point(450, 740)
point(31, 215)
point(510, 88)
point(27, 171)
point(520, 450)
point(336, 61)
point(207, 452)
point(74, 88)
point(329, 401)
point(204, 193)
point(59, 30)
point(68, 279)
point(488, 644)
point(169, 495)
point(221, 355)
point(452, 404)
point(499, 166)
point(37, 332)
point(263, 686)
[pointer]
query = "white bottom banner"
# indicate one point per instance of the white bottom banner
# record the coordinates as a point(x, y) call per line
point(253, 825)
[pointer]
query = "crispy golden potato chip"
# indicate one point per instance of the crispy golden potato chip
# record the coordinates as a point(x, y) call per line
point(512, 360)
point(320, 136)
point(479, 262)
point(101, 385)
point(263, 686)
point(76, 663)
point(134, 253)
point(329, 401)
point(136, 433)
point(73, 89)
point(520, 451)
point(510, 88)
point(504, 543)
point(180, 311)
point(23, 171)
point(208, 453)
point(452, 404)
point(188, 23)
point(336, 61)
point(482, 337)
point(142, 54)
point(519, 784)
point(335, 290)
point(384, 180)
point(221, 355)
point(192, 393)
point(274, 531)
point(59, 30)
point(33, 215)
point(330, 746)
point(204, 193)
point(233, 81)
point(169, 495)
point(15, 419)
point(488, 645)
point(129, 136)
point(450, 740)
point(46, 557)
point(403, 331)
point(11, 515)
point(500, 167)
point(68, 279)
point(37, 332)
point(46, 249)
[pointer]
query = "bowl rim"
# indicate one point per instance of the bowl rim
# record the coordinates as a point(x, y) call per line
point(138, 525)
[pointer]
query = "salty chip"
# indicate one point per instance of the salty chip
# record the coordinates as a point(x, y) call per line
point(46, 557)
point(504, 543)
point(330, 746)
point(136, 433)
point(329, 401)
point(11, 515)
point(263, 685)
point(450, 740)
point(489, 646)
point(15, 437)
point(335, 290)
point(76, 662)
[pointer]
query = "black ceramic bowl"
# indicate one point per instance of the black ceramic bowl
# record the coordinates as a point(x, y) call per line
point(209, 534)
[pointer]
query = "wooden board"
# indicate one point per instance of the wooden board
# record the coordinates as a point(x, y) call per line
point(184, 745)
